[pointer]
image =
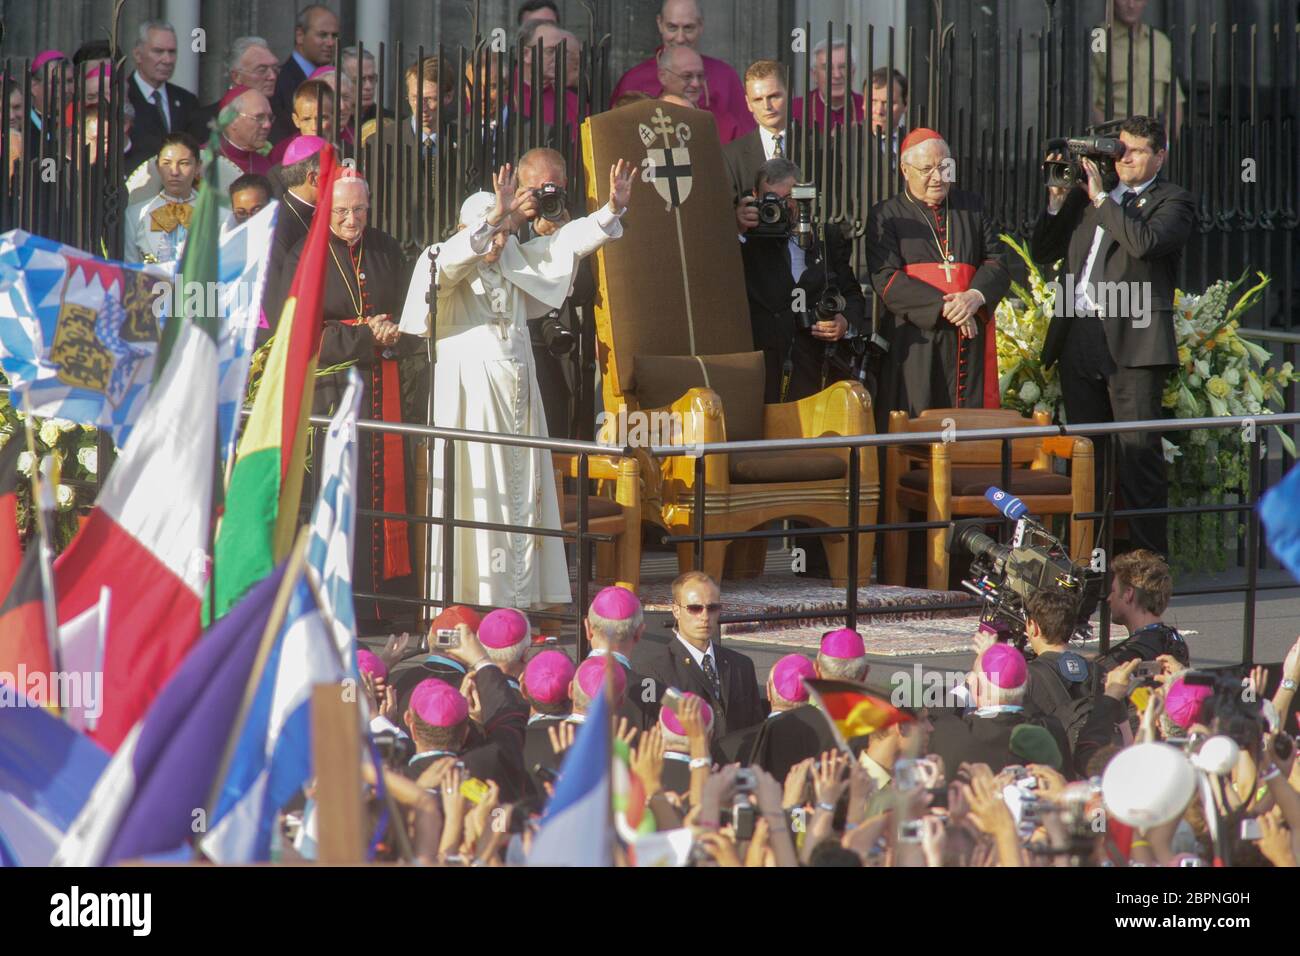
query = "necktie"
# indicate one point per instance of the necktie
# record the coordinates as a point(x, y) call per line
point(156, 100)
point(711, 673)
point(778, 150)
point(1129, 196)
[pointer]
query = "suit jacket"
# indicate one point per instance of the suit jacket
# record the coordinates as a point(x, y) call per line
point(671, 665)
point(147, 131)
point(966, 737)
point(537, 745)
point(1142, 245)
point(200, 118)
point(291, 226)
point(286, 84)
point(495, 752)
point(744, 158)
point(787, 738)
point(770, 287)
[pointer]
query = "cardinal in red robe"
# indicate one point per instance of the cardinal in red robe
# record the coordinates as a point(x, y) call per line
point(938, 266)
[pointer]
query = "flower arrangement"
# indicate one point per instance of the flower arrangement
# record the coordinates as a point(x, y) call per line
point(1219, 374)
point(76, 447)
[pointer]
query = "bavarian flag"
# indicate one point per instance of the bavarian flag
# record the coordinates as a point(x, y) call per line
point(261, 516)
point(852, 709)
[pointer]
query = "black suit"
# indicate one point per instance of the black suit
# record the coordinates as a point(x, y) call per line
point(672, 665)
point(1116, 369)
point(959, 738)
point(499, 753)
point(537, 745)
point(744, 157)
point(770, 286)
point(286, 84)
point(417, 176)
point(291, 224)
point(147, 131)
point(787, 738)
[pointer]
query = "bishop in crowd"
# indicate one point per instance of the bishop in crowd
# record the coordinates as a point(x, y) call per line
point(937, 264)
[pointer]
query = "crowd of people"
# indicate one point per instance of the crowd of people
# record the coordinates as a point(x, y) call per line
point(1051, 761)
point(1022, 763)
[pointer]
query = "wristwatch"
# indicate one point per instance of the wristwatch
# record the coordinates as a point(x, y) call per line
point(1101, 198)
point(1288, 683)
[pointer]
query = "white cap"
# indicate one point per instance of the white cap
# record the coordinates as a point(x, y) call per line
point(1148, 784)
point(476, 207)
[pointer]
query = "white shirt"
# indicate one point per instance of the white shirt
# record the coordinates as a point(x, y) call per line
point(1084, 303)
point(149, 94)
point(698, 654)
point(768, 140)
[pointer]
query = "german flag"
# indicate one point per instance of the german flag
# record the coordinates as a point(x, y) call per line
point(23, 643)
point(852, 709)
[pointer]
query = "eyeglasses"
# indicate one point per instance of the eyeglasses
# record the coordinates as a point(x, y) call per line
point(687, 77)
point(266, 69)
point(698, 609)
point(262, 119)
point(925, 171)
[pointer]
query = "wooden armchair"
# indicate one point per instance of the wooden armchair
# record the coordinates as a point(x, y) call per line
point(744, 491)
point(674, 346)
point(948, 479)
point(616, 512)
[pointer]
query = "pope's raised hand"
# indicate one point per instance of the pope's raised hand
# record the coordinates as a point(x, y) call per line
point(620, 185)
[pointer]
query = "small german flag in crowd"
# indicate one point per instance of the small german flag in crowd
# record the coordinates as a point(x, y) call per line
point(853, 710)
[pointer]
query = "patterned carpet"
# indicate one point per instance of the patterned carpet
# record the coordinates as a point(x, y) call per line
point(932, 626)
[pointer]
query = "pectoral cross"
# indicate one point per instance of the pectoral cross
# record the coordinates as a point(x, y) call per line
point(947, 268)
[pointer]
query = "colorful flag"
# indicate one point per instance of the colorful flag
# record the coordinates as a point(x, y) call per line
point(25, 660)
point(47, 772)
point(79, 336)
point(576, 828)
point(272, 759)
point(265, 488)
point(145, 801)
point(1279, 510)
point(852, 709)
point(147, 537)
point(333, 522)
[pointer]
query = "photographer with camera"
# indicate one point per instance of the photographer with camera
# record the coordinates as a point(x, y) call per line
point(803, 296)
point(1140, 588)
point(1061, 683)
point(1121, 231)
point(544, 206)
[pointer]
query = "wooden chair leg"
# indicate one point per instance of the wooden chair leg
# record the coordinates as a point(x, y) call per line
point(607, 563)
point(895, 571)
point(939, 508)
point(748, 557)
point(1082, 476)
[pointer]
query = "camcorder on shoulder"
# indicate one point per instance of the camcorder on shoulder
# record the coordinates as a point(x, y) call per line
point(1005, 576)
point(1101, 148)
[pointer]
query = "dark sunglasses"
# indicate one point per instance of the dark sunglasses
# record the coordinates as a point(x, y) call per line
point(701, 608)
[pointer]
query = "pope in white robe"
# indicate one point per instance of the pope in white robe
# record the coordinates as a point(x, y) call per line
point(489, 285)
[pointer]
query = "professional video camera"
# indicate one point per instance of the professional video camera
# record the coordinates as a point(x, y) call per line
point(777, 221)
point(552, 201)
point(1104, 150)
point(1004, 576)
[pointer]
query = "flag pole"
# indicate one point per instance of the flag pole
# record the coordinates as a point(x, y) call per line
point(296, 567)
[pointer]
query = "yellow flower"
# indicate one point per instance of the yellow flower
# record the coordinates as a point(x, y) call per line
point(1184, 355)
point(1218, 387)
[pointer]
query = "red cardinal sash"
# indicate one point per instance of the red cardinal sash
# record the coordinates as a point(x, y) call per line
point(388, 461)
point(932, 273)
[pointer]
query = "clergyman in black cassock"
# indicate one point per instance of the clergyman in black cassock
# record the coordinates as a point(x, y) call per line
point(938, 266)
point(365, 278)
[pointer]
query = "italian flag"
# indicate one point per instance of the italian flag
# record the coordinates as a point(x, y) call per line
point(852, 711)
point(147, 538)
point(261, 516)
